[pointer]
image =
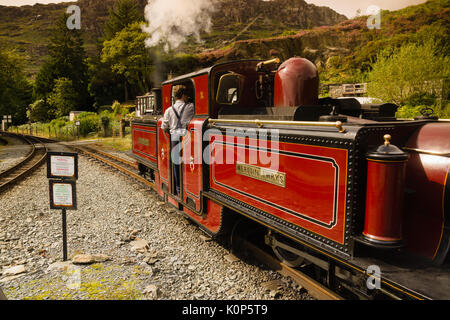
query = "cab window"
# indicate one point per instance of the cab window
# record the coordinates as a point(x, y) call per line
point(230, 88)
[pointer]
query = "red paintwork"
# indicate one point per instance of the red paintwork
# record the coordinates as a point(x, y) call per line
point(213, 218)
point(193, 175)
point(201, 95)
point(163, 156)
point(166, 96)
point(426, 175)
point(384, 201)
point(147, 132)
point(158, 186)
point(309, 191)
point(296, 83)
point(172, 201)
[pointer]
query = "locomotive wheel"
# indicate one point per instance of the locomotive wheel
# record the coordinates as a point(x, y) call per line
point(288, 258)
point(280, 247)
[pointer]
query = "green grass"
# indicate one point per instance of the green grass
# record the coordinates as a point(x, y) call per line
point(119, 144)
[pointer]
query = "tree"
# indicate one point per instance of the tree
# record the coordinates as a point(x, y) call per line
point(38, 111)
point(62, 100)
point(129, 58)
point(124, 13)
point(409, 70)
point(15, 89)
point(67, 59)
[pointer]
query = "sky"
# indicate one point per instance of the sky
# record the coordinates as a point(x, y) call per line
point(346, 7)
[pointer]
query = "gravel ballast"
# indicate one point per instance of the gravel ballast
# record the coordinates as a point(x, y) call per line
point(12, 153)
point(128, 245)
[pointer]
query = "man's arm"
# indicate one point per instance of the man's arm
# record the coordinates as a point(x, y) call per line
point(190, 112)
point(165, 122)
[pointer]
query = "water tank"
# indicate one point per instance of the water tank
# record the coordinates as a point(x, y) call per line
point(296, 83)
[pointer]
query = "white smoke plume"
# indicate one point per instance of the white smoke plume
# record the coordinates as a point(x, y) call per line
point(170, 21)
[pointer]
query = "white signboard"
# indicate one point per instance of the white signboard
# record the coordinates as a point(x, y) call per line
point(62, 194)
point(62, 166)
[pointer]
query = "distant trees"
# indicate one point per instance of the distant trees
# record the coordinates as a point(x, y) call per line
point(108, 84)
point(63, 98)
point(15, 89)
point(129, 58)
point(413, 70)
point(66, 62)
point(123, 14)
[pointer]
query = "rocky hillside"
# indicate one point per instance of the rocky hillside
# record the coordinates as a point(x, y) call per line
point(27, 28)
point(348, 44)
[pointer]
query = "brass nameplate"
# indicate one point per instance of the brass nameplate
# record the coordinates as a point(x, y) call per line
point(263, 174)
point(144, 142)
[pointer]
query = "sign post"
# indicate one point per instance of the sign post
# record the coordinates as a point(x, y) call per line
point(62, 172)
point(6, 119)
point(77, 123)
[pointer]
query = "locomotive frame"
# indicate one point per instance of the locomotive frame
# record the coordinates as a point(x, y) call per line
point(323, 219)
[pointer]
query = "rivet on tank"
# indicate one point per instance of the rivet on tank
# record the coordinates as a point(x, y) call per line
point(384, 199)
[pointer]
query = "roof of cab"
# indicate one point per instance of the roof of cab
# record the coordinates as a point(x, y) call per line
point(204, 71)
point(189, 75)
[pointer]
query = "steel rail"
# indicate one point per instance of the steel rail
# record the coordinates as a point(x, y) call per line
point(26, 166)
point(313, 287)
point(114, 162)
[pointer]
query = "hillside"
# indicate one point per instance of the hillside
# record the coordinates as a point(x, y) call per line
point(27, 28)
point(348, 46)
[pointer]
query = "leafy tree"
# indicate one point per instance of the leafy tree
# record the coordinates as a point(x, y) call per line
point(66, 60)
point(62, 100)
point(38, 111)
point(129, 58)
point(105, 86)
point(15, 90)
point(124, 13)
point(412, 69)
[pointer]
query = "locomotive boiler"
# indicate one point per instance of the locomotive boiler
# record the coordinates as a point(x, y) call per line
point(338, 185)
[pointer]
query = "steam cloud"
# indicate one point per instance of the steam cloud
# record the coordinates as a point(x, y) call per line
point(171, 21)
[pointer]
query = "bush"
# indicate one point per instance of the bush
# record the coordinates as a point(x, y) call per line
point(88, 123)
point(408, 71)
point(409, 111)
point(59, 123)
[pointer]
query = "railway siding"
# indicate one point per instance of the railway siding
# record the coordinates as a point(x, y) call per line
point(13, 152)
point(175, 263)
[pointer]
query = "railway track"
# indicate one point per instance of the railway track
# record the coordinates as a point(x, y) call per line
point(313, 287)
point(33, 160)
point(127, 167)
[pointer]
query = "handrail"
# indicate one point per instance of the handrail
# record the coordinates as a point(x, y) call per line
point(433, 153)
point(260, 123)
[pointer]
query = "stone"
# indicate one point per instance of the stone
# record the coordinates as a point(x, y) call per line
point(14, 270)
point(231, 258)
point(60, 266)
point(152, 290)
point(273, 285)
point(90, 258)
point(139, 245)
point(205, 238)
point(7, 279)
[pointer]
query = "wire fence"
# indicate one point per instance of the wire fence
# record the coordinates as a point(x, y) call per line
point(71, 132)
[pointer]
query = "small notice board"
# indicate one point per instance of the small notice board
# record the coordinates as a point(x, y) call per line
point(63, 195)
point(62, 165)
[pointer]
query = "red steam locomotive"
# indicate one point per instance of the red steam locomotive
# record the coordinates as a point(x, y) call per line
point(343, 186)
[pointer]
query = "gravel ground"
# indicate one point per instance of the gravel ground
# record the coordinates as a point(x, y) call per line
point(151, 251)
point(12, 153)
